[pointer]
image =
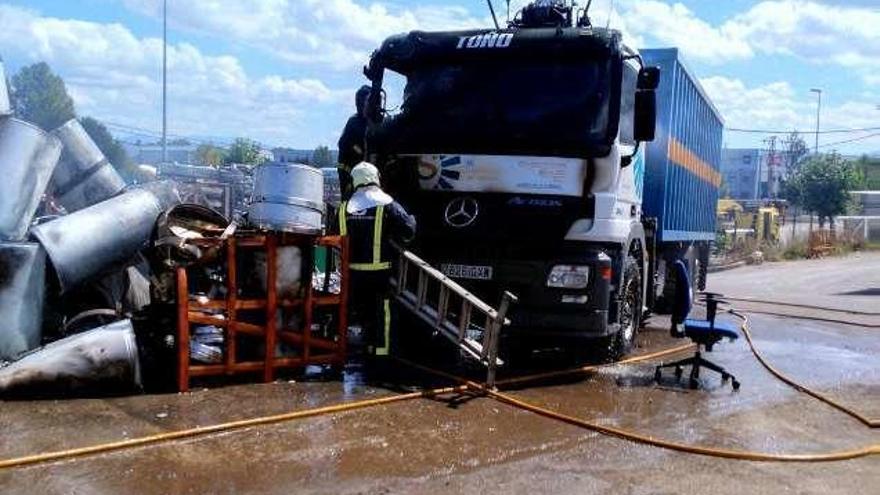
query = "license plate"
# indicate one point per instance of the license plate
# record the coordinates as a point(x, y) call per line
point(470, 272)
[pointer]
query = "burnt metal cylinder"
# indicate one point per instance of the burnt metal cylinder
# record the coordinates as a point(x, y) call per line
point(28, 156)
point(91, 242)
point(101, 360)
point(22, 291)
point(5, 107)
point(83, 176)
point(287, 197)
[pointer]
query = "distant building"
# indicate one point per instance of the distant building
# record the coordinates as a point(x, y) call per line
point(151, 154)
point(741, 169)
point(291, 155)
point(752, 173)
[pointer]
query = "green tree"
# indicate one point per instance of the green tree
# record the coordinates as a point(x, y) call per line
point(821, 185)
point(207, 154)
point(869, 168)
point(322, 157)
point(39, 96)
point(795, 150)
point(244, 151)
point(105, 141)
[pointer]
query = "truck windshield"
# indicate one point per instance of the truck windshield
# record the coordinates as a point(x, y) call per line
point(547, 109)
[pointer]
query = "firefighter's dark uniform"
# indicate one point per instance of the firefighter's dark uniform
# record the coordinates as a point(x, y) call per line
point(352, 143)
point(370, 232)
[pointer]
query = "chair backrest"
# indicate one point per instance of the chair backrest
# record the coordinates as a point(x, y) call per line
point(683, 302)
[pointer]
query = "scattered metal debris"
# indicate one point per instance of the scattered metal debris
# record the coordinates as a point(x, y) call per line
point(84, 176)
point(101, 360)
point(29, 156)
point(22, 280)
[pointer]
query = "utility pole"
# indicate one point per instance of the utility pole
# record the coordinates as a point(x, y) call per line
point(164, 81)
point(818, 113)
point(772, 189)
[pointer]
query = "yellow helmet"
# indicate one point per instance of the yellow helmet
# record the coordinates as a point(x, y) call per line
point(364, 174)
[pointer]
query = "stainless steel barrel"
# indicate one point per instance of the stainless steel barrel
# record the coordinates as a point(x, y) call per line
point(105, 236)
point(287, 197)
point(22, 282)
point(5, 107)
point(101, 360)
point(84, 176)
point(27, 159)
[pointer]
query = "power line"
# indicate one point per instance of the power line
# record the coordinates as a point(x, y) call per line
point(829, 131)
point(853, 140)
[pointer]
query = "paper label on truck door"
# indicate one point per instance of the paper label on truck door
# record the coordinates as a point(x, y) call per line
point(503, 174)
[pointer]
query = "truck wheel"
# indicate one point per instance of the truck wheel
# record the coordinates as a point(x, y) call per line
point(629, 310)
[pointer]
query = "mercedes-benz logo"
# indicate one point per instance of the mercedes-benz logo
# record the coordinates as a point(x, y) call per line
point(462, 212)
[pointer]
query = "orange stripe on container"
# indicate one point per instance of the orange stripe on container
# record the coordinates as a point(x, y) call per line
point(684, 158)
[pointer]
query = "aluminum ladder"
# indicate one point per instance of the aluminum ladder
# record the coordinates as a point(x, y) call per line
point(451, 310)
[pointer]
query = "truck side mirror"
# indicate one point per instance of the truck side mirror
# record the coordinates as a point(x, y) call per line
point(645, 118)
point(649, 78)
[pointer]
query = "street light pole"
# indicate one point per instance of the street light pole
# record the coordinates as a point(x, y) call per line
point(164, 81)
point(818, 113)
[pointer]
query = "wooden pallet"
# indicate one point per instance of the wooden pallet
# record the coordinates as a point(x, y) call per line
point(226, 313)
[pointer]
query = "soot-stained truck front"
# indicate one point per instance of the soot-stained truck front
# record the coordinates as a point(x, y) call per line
point(517, 151)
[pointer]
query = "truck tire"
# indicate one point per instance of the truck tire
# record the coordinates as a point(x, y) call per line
point(629, 310)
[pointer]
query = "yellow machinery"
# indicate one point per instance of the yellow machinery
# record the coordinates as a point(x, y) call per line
point(761, 222)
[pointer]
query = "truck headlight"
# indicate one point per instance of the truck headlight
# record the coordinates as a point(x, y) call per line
point(569, 277)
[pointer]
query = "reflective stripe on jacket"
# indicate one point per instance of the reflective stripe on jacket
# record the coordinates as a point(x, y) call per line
point(365, 230)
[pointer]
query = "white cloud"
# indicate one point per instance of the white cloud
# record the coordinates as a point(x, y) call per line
point(678, 26)
point(338, 33)
point(114, 75)
point(817, 33)
point(842, 35)
point(777, 106)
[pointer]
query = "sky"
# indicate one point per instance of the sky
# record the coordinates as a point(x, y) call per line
point(284, 72)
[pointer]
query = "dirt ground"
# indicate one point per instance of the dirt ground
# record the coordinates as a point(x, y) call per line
point(475, 445)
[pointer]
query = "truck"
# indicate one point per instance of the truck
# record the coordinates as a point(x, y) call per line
point(552, 160)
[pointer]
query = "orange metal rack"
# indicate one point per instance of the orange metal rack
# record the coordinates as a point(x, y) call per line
point(224, 313)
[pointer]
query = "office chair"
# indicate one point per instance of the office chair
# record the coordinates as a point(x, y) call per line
point(705, 333)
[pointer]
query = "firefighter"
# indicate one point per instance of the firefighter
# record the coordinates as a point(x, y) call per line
point(372, 219)
point(352, 149)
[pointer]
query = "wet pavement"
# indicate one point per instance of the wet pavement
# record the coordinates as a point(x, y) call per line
point(474, 445)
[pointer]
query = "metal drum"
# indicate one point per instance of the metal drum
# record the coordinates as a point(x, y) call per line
point(27, 159)
point(22, 282)
point(5, 107)
point(84, 176)
point(287, 197)
point(103, 360)
point(105, 236)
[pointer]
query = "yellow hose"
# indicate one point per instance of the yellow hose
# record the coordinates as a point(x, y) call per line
point(680, 447)
point(504, 398)
point(646, 439)
point(232, 425)
point(871, 423)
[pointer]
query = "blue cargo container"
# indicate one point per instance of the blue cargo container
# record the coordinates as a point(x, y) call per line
point(683, 163)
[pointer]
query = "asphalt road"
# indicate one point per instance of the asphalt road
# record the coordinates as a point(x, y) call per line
point(477, 445)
